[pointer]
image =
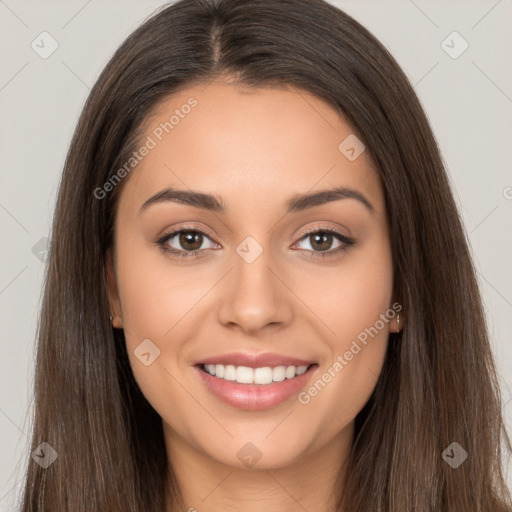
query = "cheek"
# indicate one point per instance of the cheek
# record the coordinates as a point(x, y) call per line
point(358, 311)
point(160, 302)
point(350, 297)
point(154, 292)
point(154, 304)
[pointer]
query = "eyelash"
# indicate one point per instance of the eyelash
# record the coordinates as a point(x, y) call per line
point(199, 253)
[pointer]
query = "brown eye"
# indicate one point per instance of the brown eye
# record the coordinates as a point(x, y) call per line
point(321, 242)
point(185, 243)
point(190, 240)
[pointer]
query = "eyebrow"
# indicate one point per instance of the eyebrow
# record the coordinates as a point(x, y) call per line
point(296, 203)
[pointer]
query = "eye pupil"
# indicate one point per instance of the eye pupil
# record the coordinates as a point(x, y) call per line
point(320, 238)
point(191, 237)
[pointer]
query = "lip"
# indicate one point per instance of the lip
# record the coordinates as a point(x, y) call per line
point(255, 360)
point(254, 397)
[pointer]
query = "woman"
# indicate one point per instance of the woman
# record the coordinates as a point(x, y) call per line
point(321, 344)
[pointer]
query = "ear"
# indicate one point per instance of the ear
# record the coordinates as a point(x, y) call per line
point(113, 293)
point(396, 324)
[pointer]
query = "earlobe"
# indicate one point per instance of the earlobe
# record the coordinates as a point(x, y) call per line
point(397, 324)
point(113, 294)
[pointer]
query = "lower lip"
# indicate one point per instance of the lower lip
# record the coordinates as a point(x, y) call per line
point(255, 397)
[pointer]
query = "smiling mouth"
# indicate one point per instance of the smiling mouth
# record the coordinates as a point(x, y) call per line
point(259, 376)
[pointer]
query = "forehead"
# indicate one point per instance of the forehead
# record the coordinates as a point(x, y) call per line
point(247, 144)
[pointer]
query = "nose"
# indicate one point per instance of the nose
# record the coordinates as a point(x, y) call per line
point(254, 295)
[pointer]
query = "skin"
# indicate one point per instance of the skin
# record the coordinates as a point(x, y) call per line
point(255, 149)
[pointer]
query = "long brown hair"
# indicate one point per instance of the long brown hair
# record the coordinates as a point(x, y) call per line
point(438, 384)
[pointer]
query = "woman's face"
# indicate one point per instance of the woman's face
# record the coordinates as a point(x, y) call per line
point(283, 278)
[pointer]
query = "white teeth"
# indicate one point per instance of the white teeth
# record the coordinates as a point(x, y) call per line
point(262, 375)
point(279, 373)
point(301, 370)
point(229, 372)
point(246, 375)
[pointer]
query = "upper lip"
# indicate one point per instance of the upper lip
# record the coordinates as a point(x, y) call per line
point(255, 360)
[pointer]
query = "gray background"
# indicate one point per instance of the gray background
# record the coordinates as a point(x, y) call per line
point(468, 100)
